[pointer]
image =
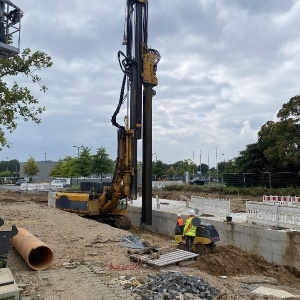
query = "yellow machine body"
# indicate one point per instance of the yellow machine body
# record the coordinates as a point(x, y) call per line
point(204, 241)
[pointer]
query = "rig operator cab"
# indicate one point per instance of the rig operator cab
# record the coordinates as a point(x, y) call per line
point(10, 28)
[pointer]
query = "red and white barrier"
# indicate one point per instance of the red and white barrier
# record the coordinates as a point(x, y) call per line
point(283, 200)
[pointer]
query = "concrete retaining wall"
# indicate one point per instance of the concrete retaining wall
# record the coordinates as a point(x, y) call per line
point(278, 246)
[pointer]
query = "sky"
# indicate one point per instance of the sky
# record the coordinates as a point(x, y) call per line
point(226, 69)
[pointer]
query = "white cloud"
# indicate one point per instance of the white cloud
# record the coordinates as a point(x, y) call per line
point(226, 69)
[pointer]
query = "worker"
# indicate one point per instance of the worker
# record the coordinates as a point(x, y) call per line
point(189, 231)
point(180, 220)
point(180, 224)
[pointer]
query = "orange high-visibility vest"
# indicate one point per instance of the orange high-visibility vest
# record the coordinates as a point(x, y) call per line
point(180, 222)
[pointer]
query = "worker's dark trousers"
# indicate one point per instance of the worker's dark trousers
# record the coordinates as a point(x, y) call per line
point(189, 242)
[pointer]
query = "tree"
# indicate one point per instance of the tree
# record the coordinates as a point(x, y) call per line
point(16, 101)
point(221, 166)
point(5, 174)
point(69, 167)
point(204, 169)
point(64, 168)
point(85, 162)
point(171, 172)
point(102, 164)
point(250, 160)
point(31, 168)
point(230, 166)
point(290, 110)
point(186, 166)
point(280, 140)
point(158, 168)
point(56, 171)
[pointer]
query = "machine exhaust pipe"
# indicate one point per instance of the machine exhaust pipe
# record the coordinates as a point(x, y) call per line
point(36, 254)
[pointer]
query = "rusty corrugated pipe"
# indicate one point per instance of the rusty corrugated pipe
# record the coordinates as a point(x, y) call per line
point(36, 254)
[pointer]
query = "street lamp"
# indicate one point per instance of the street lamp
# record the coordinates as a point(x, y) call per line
point(200, 165)
point(208, 165)
point(193, 166)
point(217, 165)
point(78, 147)
point(223, 168)
point(155, 156)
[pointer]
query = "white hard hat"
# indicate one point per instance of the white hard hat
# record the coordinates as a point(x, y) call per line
point(179, 215)
point(192, 212)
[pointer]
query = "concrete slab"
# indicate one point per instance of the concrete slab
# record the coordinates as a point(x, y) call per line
point(8, 287)
point(281, 294)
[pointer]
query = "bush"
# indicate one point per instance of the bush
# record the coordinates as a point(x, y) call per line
point(224, 190)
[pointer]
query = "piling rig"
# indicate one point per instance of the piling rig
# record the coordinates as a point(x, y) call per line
point(109, 203)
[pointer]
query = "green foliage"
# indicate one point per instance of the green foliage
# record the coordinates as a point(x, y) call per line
point(85, 162)
point(224, 190)
point(175, 187)
point(280, 141)
point(251, 160)
point(56, 171)
point(230, 166)
point(5, 174)
point(171, 172)
point(204, 169)
point(16, 101)
point(101, 163)
point(84, 165)
point(65, 168)
point(13, 166)
point(290, 110)
point(31, 168)
point(277, 149)
point(158, 168)
point(186, 166)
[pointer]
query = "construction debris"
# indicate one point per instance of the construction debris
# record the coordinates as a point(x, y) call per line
point(133, 241)
point(175, 285)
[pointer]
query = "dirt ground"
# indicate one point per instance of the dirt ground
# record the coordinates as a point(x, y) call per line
point(89, 257)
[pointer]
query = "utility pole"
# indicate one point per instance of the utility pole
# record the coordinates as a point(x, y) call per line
point(217, 165)
point(193, 166)
point(78, 147)
point(208, 165)
point(200, 165)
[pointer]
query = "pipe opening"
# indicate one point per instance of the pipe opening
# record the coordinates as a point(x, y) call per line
point(40, 258)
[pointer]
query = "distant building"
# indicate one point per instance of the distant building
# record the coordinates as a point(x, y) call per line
point(44, 170)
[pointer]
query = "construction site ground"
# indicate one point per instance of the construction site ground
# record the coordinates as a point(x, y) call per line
point(90, 261)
